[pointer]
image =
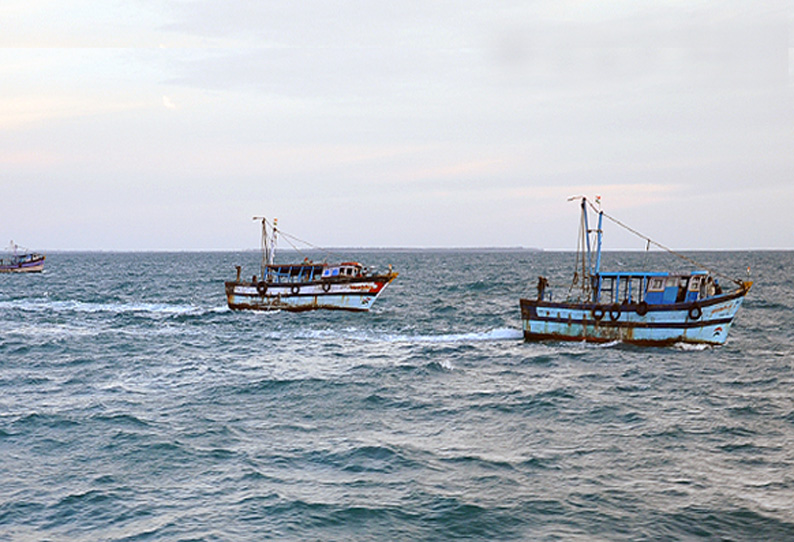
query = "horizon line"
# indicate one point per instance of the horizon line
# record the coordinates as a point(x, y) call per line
point(398, 249)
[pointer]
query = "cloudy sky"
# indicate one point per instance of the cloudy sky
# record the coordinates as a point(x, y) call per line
point(169, 124)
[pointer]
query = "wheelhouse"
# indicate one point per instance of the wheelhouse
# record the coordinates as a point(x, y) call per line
point(294, 273)
point(343, 270)
point(658, 288)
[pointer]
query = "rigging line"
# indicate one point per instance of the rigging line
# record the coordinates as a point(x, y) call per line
point(325, 251)
point(580, 258)
point(576, 260)
point(671, 251)
point(289, 236)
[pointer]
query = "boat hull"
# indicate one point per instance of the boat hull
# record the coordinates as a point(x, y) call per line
point(34, 265)
point(702, 322)
point(353, 294)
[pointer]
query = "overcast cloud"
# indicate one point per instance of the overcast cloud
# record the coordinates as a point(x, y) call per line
point(167, 125)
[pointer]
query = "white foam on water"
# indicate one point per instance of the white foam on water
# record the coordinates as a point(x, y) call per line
point(497, 334)
point(375, 336)
point(446, 365)
point(39, 305)
point(52, 331)
point(690, 347)
point(610, 344)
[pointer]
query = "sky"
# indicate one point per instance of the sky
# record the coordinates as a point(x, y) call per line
point(169, 124)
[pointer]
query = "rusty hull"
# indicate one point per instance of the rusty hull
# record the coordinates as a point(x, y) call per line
point(706, 321)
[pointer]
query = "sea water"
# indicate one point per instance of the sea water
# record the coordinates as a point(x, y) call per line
point(135, 406)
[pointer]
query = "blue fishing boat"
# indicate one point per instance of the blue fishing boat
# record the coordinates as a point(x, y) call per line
point(643, 308)
point(21, 260)
point(306, 285)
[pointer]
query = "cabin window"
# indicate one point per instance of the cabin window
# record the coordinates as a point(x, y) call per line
point(656, 285)
point(694, 284)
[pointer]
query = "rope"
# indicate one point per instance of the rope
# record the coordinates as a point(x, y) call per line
point(650, 241)
point(289, 238)
point(581, 247)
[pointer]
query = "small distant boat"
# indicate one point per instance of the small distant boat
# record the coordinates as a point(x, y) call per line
point(307, 285)
point(642, 308)
point(21, 260)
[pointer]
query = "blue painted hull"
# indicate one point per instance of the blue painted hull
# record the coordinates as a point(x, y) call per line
point(702, 322)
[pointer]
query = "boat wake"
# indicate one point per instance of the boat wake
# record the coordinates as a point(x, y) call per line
point(373, 336)
point(498, 334)
point(493, 335)
point(46, 305)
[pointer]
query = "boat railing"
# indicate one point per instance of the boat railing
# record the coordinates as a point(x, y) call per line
point(293, 273)
point(651, 287)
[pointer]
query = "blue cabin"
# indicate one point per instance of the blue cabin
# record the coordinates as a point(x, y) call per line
point(294, 273)
point(657, 288)
point(307, 272)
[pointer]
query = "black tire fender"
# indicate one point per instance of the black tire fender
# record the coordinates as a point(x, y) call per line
point(598, 313)
point(261, 288)
point(614, 313)
point(326, 286)
point(642, 308)
point(695, 312)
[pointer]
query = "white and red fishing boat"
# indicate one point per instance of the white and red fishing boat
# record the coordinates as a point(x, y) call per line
point(21, 260)
point(307, 285)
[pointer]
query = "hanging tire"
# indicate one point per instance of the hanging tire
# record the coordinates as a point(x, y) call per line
point(614, 313)
point(642, 308)
point(295, 290)
point(261, 288)
point(598, 313)
point(326, 287)
point(695, 312)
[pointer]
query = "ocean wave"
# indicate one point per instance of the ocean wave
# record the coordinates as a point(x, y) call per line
point(49, 331)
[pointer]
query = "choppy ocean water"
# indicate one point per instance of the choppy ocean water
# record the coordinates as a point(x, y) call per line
point(135, 406)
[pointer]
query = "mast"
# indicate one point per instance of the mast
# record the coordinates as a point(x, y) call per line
point(599, 234)
point(591, 282)
point(595, 277)
point(271, 257)
point(586, 232)
point(583, 263)
point(263, 246)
